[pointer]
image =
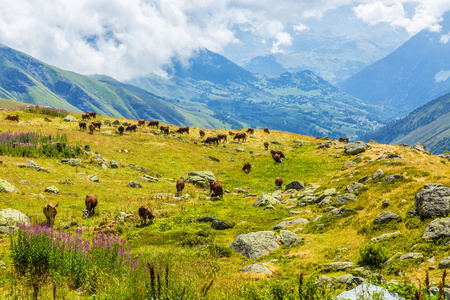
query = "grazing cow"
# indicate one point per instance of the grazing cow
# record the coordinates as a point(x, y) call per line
point(278, 183)
point(202, 133)
point(91, 203)
point(222, 137)
point(141, 122)
point(120, 129)
point(276, 158)
point(266, 145)
point(86, 116)
point(153, 123)
point(216, 189)
point(12, 118)
point(82, 125)
point(231, 133)
point(164, 129)
point(180, 187)
point(240, 136)
point(92, 114)
point(211, 139)
point(144, 213)
point(250, 130)
point(91, 129)
point(273, 152)
point(266, 130)
point(47, 119)
point(131, 128)
point(183, 130)
point(97, 125)
point(247, 167)
point(343, 139)
point(50, 212)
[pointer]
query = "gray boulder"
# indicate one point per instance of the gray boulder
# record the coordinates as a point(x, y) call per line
point(260, 268)
point(52, 190)
point(255, 244)
point(72, 161)
point(355, 148)
point(385, 203)
point(10, 219)
point(433, 200)
point(445, 263)
point(289, 238)
point(222, 224)
point(445, 155)
point(31, 164)
point(292, 222)
point(116, 122)
point(393, 178)
point(200, 178)
point(93, 178)
point(265, 199)
point(134, 184)
point(386, 236)
point(436, 229)
point(6, 187)
point(419, 147)
point(378, 173)
point(295, 185)
point(341, 212)
point(411, 256)
point(339, 266)
point(25, 182)
point(113, 164)
point(344, 198)
point(368, 291)
point(354, 187)
point(386, 217)
point(149, 178)
point(70, 118)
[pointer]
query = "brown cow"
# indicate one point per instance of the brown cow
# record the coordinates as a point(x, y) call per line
point(86, 116)
point(153, 123)
point(131, 128)
point(202, 133)
point(273, 152)
point(120, 129)
point(141, 122)
point(266, 145)
point(247, 167)
point(50, 212)
point(231, 133)
point(144, 213)
point(82, 125)
point(240, 136)
point(216, 189)
point(164, 129)
point(222, 137)
point(266, 130)
point(97, 125)
point(91, 203)
point(211, 139)
point(47, 119)
point(276, 158)
point(91, 129)
point(180, 187)
point(92, 114)
point(250, 130)
point(278, 183)
point(12, 118)
point(183, 130)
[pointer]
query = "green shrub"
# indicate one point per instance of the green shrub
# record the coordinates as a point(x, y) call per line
point(369, 253)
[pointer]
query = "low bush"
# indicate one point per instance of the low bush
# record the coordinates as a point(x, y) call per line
point(369, 253)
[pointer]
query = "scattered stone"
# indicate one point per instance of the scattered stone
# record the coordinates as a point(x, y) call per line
point(378, 173)
point(364, 179)
point(24, 182)
point(67, 181)
point(249, 195)
point(367, 291)
point(445, 263)
point(355, 148)
point(341, 212)
point(393, 178)
point(31, 164)
point(354, 187)
point(41, 196)
point(222, 224)
point(386, 217)
point(52, 189)
point(149, 178)
point(134, 184)
point(436, 229)
point(411, 256)
point(386, 236)
point(339, 266)
point(294, 212)
point(289, 238)
point(433, 200)
point(238, 149)
point(419, 147)
point(276, 143)
point(292, 222)
point(255, 244)
point(270, 206)
point(265, 199)
point(72, 161)
point(348, 164)
point(10, 219)
point(70, 118)
point(214, 159)
point(201, 178)
point(239, 190)
point(295, 185)
point(344, 198)
point(21, 165)
point(93, 178)
point(385, 203)
point(260, 268)
point(113, 164)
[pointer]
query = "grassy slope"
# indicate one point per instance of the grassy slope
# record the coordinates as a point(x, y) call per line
point(173, 158)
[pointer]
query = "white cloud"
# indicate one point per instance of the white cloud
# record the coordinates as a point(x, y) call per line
point(282, 39)
point(445, 38)
point(442, 75)
point(301, 27)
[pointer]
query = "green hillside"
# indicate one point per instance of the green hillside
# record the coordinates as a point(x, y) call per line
point(180, 258)
point(428, 124)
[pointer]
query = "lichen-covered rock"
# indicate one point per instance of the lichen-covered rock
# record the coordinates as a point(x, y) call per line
point(339, 266)
point(436, 229)
point(31, 164)
point(70, 118)
point(201, 178)
point(354, 187)
point(344, 198)
point(419, 147)
point(72, 161)
point(113, 164)
point(433, 200)
point(255, 244)
point(411, 256)
point(378, 173)
point(292, 222)
point(445, 263)
point(11, 218)
point(355, 148)
point(52, 190)
point(134, 184)
point(289, 238)
point(393, 178)
point(386, 217)
point(265, 200)
point(386, 236)
point(295, 185)
point(6, 187)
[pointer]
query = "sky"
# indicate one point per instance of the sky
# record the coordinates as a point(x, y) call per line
point(126, 39)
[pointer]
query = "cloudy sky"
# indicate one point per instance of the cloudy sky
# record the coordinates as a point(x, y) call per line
point(130, 38)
